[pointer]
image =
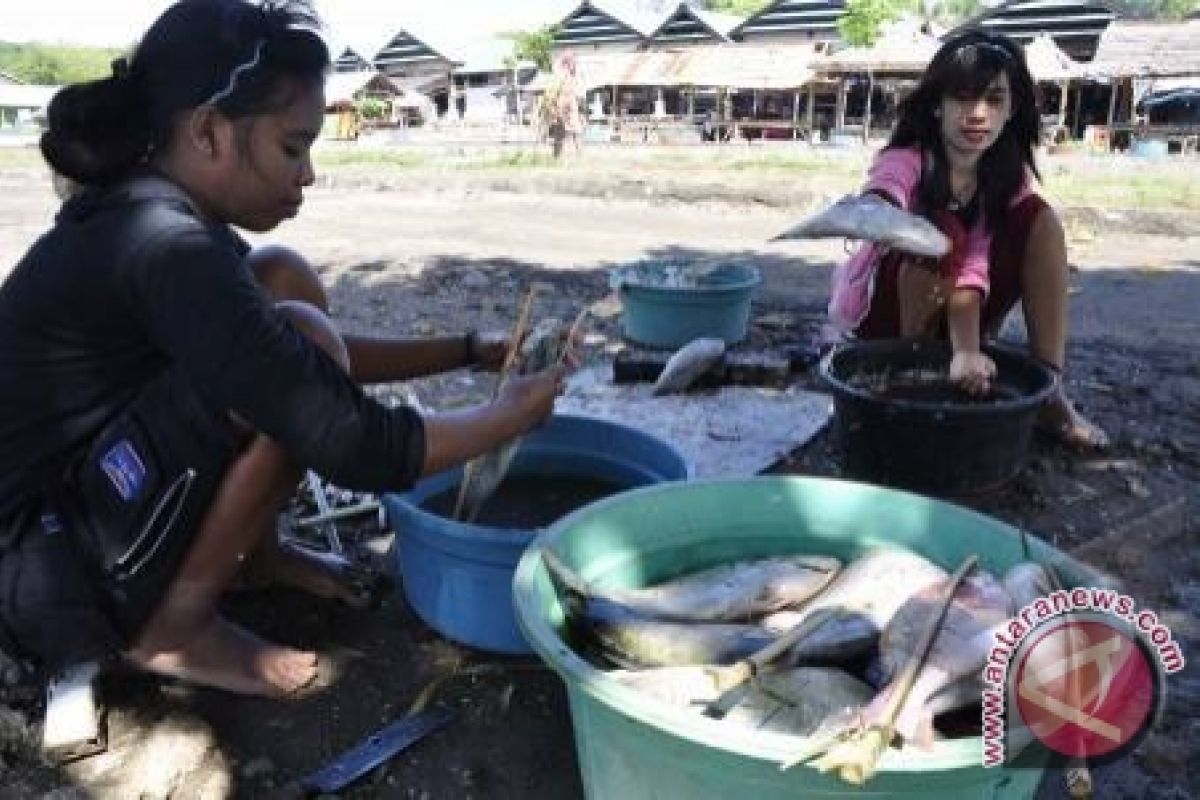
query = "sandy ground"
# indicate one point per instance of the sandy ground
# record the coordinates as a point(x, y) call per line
point(419, 256)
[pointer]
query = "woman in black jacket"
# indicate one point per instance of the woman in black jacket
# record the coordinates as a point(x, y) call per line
point(162, 387)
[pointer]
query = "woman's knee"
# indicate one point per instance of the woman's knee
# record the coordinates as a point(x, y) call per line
point(287, 275)
point(318, 327)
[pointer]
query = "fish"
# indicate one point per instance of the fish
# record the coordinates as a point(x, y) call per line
point(688, 363)
point(799, 701)
point(626, 638)
point(959, 651)
point(737, 592)
point(865, 595)
point(805, 701)
point(1025, 582)
point(868, 217)
point(482, 475)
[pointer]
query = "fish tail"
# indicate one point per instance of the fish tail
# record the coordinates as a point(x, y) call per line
point(563, 577)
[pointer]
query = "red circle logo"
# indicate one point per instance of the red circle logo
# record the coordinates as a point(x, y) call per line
point(1085, 687)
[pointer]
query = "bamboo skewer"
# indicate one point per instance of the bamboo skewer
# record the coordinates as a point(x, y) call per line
point(855, 759)
point(515, 340)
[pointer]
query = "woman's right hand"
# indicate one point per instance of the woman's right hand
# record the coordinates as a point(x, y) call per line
point(973, 371)
point(532, 396)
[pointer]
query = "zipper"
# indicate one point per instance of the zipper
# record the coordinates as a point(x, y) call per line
point(180, 487)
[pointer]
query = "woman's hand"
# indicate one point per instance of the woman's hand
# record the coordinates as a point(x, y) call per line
point(532, 396)
point(489, 350)
point(972, 371)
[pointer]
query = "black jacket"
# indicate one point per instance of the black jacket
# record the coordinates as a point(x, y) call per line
point(130, 281)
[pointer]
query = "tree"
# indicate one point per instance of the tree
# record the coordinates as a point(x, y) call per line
point(864, 19)
point(742, 8)
point(54, 65)
point(535, 46)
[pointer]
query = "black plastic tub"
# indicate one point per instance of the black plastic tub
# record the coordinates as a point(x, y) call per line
point(901, 423)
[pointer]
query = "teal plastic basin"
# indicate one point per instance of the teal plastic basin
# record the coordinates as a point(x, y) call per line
point(717, 307)
point(631, 746)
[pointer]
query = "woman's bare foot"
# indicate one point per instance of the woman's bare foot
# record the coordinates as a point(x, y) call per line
point(220, 654)
point(322, 574)
point(1060, 419)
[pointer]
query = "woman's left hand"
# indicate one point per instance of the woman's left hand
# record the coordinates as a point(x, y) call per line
point(489, 350)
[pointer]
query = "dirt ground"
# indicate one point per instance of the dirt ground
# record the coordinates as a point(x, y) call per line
point(422, 256)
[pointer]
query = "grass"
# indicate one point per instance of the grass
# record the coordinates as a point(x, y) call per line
point(1116, 182)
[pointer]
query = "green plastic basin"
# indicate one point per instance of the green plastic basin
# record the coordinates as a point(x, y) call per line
point(631, 746)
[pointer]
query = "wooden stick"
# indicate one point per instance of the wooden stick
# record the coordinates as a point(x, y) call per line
point(878, 737)
point(731, 678)
point(519, 331)
point(571, 334)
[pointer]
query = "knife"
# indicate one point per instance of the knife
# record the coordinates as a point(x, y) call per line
point(377, 748)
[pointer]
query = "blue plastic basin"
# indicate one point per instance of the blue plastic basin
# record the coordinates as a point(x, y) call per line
point(718, 306)
point(457, 576)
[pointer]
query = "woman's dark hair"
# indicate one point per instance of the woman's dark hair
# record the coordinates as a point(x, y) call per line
point(231, 54)
point(964, 67)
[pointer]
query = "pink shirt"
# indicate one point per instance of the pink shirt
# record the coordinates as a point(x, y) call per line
point(896, 173)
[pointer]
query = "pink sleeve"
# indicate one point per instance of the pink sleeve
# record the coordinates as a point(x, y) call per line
point(896, 172)
point(973, 274)
point(974, 271)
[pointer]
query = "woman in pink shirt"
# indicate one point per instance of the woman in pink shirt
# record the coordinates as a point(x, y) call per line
point(961, 155)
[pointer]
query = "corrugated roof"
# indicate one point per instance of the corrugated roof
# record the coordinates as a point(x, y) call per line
point(1148, 50)
point(594, 22)
point(687, 25)
point(817, 18)
point(1073, 24)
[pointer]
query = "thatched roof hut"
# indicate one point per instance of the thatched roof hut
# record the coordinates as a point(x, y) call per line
point(736, 67)
point(1048, 63)
point(1148, 50)
point(902, 49)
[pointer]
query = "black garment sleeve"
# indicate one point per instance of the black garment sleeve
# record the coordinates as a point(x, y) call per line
point(200, 304)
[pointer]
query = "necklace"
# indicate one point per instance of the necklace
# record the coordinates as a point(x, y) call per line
point(962, 197)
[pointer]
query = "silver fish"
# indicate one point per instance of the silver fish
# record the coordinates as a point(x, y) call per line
point(800, 701)
point(737, 592)
point(866, 594)
point(687, 365)
point(959, 650)
point(1026, 582)
point(626, 638)
point(868, 217)
point(483, 474)
point(805, 701)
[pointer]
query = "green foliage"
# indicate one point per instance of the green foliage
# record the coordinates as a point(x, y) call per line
point(863, 20)
point(53, 65)
point(372, 109)
point(742, 8)
point(1154, 9)
point(535, 46)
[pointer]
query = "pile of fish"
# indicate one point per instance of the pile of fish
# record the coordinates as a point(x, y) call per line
point(803, 644)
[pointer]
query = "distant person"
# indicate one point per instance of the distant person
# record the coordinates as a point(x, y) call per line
point(163, 386)
point(962, 155)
